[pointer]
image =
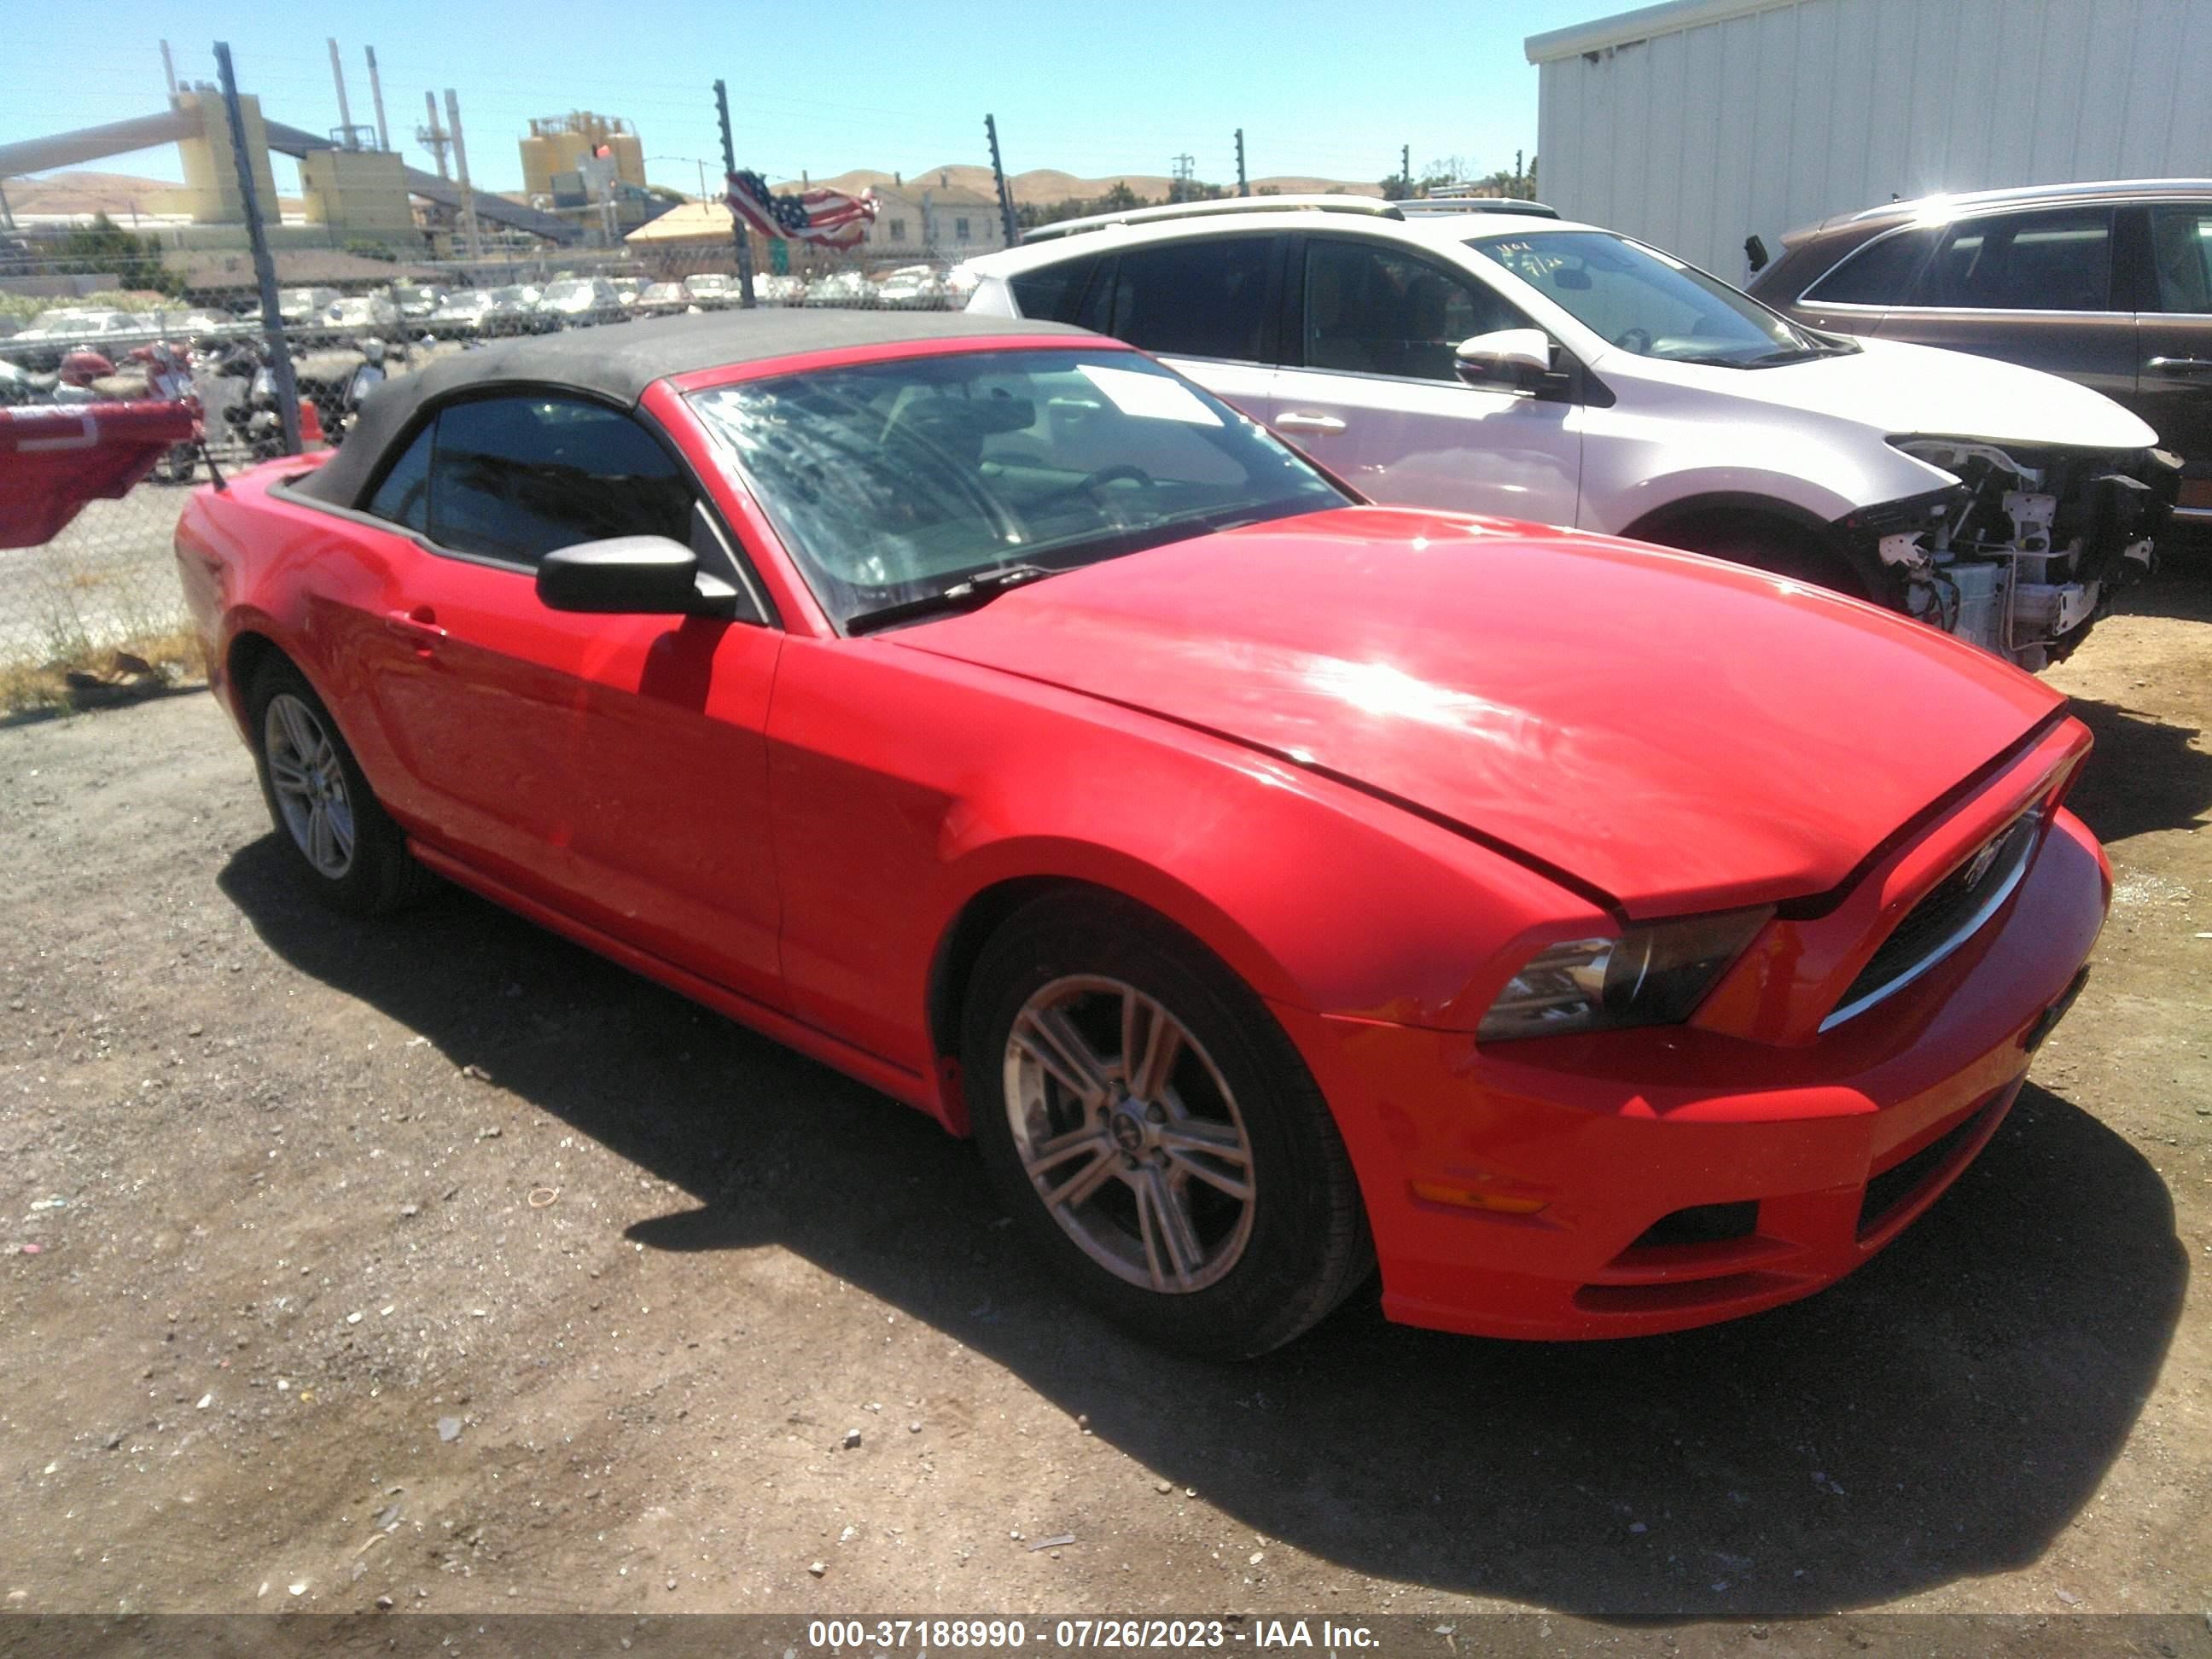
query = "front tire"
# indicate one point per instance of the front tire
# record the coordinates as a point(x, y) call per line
point(1156, 1135)
point(343, 846)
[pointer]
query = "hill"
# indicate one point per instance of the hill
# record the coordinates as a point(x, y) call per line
point(117, 195)
point(1044, 185)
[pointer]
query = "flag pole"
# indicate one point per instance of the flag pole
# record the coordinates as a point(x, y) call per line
point(736, 219)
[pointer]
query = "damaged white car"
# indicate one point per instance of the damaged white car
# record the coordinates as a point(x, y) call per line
point(1565, 374)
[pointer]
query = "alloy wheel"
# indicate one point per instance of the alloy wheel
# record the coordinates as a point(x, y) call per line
point(1129, 1134)
point(309, 783)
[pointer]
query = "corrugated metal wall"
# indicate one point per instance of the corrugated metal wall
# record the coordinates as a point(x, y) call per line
point(1695, 139)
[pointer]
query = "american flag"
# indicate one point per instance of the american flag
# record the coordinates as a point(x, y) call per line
point(828, 218)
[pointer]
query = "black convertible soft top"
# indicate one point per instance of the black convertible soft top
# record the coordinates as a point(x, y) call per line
point(619, 362)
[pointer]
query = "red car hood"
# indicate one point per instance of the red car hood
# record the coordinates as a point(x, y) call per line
point(1680, 734)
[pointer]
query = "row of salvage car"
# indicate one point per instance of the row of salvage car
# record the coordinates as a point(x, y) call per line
point(498, 311)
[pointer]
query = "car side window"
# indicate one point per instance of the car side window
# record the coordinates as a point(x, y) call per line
point(1880, 273)
point(403, 497)
point(1207, 297)
point(2057, 261)
point(513, 478)
point(1053, 294)
point(2181, 254)
point(1381, 312)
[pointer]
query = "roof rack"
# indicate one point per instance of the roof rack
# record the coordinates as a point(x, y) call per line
point(1942, 201)
point(1431, 207)
point(1372, 207)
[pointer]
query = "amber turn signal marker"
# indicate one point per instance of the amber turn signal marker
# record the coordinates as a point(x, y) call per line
point(1474, 1198)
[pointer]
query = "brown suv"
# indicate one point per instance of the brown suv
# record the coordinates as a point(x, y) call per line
point(2109, 284)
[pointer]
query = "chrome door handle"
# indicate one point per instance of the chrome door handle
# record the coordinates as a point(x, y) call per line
point(1307, 421)
point(2181, 365)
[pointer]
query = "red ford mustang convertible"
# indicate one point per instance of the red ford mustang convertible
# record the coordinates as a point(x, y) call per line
point(1595, 939)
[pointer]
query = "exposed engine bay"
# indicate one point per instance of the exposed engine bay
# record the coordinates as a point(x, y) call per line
point(2030, 546)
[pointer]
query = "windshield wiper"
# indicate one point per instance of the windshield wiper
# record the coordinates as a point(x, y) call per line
point(1804, 354)
point(965, 594)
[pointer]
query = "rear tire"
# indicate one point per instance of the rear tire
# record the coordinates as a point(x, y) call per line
point(1192, 1095)
point(346, 849)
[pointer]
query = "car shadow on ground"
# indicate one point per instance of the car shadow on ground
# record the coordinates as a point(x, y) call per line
point(2144, 775)
point(1941, 1414)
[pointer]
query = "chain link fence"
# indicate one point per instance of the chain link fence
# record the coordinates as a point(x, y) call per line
point(106, 582)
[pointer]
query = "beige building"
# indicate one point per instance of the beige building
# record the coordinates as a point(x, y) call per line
point(210, 164)
point(357, 193)
point(562, 143)
point(930, 217)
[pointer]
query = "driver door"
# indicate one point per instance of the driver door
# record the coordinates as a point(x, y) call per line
point(1369, 389)
point(613, 768)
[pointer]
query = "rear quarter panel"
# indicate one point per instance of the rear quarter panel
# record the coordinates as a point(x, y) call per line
point(254, 563)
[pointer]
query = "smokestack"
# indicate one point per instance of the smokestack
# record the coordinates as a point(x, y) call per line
point(376, 92)
point(169, 69)
point(461, 172)
point(432, 135)
point(338, 74)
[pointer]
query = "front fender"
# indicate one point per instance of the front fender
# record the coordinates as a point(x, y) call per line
point(1672, 443)
point(907, 787)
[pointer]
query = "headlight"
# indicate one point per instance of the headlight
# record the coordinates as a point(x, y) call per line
point(1649, 975)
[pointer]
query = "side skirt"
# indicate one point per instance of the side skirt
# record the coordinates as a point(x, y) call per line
point(911, 1088)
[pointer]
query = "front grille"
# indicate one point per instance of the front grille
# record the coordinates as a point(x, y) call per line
point(1951, 912)
point(1901, 1181)
point(1701, 1224)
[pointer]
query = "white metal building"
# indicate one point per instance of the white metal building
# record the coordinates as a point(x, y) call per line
point(1696, 123)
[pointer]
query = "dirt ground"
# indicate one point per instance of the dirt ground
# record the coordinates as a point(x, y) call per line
point(435, 1259)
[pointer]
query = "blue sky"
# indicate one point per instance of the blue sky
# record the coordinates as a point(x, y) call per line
point(827, 85)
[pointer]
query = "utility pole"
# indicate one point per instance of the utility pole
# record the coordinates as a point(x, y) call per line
point(1243, 189)
point(461, 172)
point(169, 69)
point(736, 219)
point(1406, 167)
point(376, 92)
point(433, 138)
point(1179, 186)
point(998, 177)
point(265, 268)
point(338, 74)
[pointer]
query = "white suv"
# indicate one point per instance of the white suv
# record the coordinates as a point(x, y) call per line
point(1540, 369)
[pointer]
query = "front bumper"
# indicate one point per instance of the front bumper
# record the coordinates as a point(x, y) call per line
point(1539, 1189)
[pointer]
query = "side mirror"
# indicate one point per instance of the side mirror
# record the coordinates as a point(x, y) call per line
point(629, 576)
point(1507, 360)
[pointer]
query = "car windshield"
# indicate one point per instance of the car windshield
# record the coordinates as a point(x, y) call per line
point(574, 290)
point(56, 319)
point(1642, 300)
point(892, 482)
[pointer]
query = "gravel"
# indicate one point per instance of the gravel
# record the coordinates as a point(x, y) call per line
point(265, 1118)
